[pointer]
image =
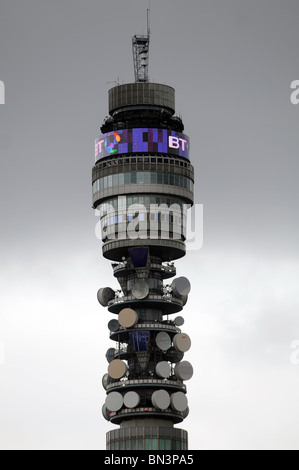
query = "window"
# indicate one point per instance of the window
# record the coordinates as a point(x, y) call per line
point(147, 444)
point(167, 444)
point(127, 178)
point(133, 444)
point(115, 180)
point(140, 444)
point(147, 177)
point(155, 444)
point(153, 178)
point(141, 177)
point(161, 444)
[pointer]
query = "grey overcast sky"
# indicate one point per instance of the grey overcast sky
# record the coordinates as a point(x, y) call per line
point(231, 63)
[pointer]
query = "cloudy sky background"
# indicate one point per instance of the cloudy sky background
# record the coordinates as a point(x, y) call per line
point(231, 63)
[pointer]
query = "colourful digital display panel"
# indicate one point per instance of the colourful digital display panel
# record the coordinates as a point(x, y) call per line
point(141, 140)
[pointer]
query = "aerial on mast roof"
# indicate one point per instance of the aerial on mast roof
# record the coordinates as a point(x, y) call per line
point(141, 54)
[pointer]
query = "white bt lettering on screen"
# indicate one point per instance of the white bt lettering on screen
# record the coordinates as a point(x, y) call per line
point(174, 142)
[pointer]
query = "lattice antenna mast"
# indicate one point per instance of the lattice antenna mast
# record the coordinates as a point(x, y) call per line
point(140, 46)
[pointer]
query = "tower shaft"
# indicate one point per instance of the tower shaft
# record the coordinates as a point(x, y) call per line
point(142, 189)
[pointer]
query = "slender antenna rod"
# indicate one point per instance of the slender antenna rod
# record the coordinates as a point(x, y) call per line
point(140, 45)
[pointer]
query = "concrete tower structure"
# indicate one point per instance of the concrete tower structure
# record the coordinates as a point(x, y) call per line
point(142, 188)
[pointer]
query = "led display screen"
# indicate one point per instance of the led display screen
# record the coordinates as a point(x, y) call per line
point(126, 141)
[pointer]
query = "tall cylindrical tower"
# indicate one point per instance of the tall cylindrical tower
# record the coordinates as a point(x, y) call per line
point(142, 188)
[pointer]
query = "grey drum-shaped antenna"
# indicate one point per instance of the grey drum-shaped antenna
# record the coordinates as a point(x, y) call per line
point(179, 401)
point(163, 341)
point(110, 354)
point(180, 286)
point(105, 381)
point(105, 294)
point(114, 401)
point(179, 321)
point(131, 399)
point(182, 342)
point(183, 370)
point(161, 399)
point(113, 325)
point(163, 369)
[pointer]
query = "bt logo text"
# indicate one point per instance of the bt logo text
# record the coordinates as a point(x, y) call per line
point(2, 92)
point(295, 94)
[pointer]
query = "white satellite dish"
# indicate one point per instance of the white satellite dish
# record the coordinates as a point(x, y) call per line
point(183, 370)
point(131, 399)
point(163, 369)
point(161, 399)
point(182, 342)
point(114, 401)
point(179, 402)
point(163, 341)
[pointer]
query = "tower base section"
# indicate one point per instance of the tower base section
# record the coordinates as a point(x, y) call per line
point(147, 435)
